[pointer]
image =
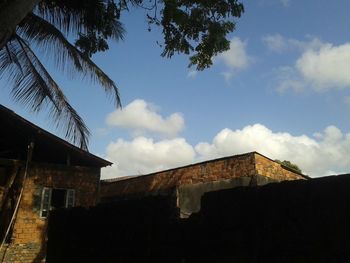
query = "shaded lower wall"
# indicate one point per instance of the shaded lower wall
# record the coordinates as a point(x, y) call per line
point(30, 252)
point(296, 221)
point(189, 196)
point(126, 231)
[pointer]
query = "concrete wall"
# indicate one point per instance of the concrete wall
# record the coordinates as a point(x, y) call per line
point(29, 231)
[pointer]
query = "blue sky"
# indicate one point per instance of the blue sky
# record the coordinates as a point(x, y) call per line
point(282, 90)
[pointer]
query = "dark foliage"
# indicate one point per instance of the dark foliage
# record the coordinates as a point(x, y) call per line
point(290, 165)
point(197, 28)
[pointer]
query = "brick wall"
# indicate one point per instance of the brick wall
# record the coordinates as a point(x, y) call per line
point(18, 253)
point(245, 165)
point(29, 231)
point(218, 169)
point(269, 168)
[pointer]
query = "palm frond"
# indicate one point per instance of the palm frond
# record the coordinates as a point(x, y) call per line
point(8, 58)
point(51, 40)
point(66, 15)
point(83, 16)
point(34, 87)
point(117, 30)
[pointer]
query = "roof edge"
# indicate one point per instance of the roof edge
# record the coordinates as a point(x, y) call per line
point(55, 137)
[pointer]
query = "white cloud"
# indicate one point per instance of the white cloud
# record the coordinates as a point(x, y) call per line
point(326, 67)
point(321, 66)
point(318, 155)
point(279, 43)
point(140, 117)
point(275, 42)
point(144, 155)
point(251, 138)
point(290, 84)
point(192, 73)
point(288, 79)
point(236, 57)
point(227, 75)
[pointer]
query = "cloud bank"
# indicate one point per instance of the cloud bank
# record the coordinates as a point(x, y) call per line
point(324, 153)
point(319, 155)
point(144, 155)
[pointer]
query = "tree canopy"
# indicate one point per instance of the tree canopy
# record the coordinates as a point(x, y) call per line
point(198, 28)
point(290, 165)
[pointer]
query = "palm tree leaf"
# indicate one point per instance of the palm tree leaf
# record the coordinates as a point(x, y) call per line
point(83, 16)
point(66, 15)
point(51, 40)
point(35, 88)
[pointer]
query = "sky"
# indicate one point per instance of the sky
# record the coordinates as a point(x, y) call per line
point(283, 89)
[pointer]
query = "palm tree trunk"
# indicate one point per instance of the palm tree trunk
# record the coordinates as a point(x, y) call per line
point(12, 13)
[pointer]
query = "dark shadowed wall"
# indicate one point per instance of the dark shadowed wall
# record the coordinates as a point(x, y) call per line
point(294, 221)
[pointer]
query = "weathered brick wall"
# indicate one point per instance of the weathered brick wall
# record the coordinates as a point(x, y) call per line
point(269, 168)
point(245, 165)
point(219, 169)
point(18, 253)
point(29, 231)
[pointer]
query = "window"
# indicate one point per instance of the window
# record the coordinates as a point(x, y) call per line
point(53, 198)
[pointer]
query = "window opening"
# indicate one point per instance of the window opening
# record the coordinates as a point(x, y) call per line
point(58, 198)
point(53, 198)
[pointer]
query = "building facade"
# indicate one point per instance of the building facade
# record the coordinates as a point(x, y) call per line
point(38, 172)
point(187, 184)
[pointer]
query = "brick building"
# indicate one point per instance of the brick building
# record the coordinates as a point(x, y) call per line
point(38, 172)
point(187, 184)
